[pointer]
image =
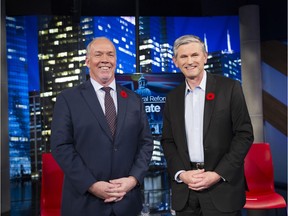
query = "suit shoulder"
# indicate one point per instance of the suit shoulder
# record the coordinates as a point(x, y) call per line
point(178, 89)
point(226, 80)
point(72, 90)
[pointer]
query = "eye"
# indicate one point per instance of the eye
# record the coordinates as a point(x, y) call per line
point(97, 54)
point(183, 56)
point(111, 54)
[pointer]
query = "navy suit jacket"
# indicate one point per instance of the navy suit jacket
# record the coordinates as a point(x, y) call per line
point(227, 137)
point(82, 144)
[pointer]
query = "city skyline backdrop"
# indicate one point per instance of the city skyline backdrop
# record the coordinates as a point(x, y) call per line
point(214, 28)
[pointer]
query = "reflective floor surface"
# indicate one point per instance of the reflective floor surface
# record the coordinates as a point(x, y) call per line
point(25, 201)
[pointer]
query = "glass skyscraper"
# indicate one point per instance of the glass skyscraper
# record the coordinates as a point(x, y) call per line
point(155, 48)
point(18, 98)
point(61, 61)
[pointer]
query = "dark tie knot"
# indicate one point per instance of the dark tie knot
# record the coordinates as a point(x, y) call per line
point(106, 89)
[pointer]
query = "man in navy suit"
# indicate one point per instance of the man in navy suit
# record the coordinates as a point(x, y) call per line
point(207, 133)
point(103, 171)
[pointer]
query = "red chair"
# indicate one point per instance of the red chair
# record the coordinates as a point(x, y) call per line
point(51, 188)
point(260, 179)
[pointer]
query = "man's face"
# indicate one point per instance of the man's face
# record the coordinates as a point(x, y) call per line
point(101, 61)
point(190, 60)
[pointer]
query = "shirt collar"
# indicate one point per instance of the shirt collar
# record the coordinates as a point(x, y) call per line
point(202, 84)
point(97, 86)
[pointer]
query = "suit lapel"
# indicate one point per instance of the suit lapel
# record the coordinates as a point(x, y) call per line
point(209, 104)
point(180, 112)
point(92, 101)
point(122, 101)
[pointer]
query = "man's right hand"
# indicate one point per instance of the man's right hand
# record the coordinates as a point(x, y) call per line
point(106, 191)
point(188, 177)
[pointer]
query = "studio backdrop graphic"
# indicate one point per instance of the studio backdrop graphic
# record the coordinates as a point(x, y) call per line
point(46, 54)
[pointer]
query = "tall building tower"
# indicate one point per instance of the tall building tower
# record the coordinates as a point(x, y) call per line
point(37, 147)
point(18, 98)
point(166, 44)
point(229, 49)
point(61, 61)
point(149, 49)
point(155, 49)
point(206, 43)
point(225, 62)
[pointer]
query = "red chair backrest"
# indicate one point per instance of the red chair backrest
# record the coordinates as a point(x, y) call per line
point(52, 181)
point(259, 168)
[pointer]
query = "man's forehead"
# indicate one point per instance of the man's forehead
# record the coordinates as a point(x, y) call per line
point(107, 47)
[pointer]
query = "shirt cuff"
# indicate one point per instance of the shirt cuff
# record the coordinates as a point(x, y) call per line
point(176, 177)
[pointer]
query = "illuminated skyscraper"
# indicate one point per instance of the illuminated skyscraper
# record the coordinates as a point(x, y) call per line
point(18, 98)
point(61, 61)
point(224, 62)
point(155, 49)
point(37, 147)
point(228, 65)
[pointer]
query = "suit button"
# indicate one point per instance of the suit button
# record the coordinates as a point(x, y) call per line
point(115, 149)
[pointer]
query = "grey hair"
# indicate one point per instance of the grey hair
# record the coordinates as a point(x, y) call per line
point(186, 39)
point(88, 48)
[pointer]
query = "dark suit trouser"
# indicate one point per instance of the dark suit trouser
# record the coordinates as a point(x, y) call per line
point(200, 204)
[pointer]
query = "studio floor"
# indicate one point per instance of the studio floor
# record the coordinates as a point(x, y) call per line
point(25, 201)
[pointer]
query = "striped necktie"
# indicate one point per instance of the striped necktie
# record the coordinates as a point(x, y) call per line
point(110, 110)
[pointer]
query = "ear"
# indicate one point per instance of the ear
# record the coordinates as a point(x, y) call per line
point(175, 61)
point(87, 62)
point(206, 57)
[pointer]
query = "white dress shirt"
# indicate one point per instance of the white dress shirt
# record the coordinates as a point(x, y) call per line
point(101, 94)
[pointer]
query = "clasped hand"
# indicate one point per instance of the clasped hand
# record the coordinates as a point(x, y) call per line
point(114, 190)
point(199, 179)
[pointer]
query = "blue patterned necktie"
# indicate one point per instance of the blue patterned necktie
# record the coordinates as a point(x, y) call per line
point(110, 110)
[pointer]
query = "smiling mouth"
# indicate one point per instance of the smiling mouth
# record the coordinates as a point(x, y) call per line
point(190, 67)
point(105, 68)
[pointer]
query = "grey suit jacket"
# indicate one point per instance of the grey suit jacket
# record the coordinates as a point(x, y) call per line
point(227, 137)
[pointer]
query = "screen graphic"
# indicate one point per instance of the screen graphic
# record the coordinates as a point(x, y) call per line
point(153, 88)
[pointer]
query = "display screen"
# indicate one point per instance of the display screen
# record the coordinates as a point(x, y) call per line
point(153, 89)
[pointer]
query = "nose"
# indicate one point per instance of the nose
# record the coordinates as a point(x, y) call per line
point(104, 58)
point(190, 60)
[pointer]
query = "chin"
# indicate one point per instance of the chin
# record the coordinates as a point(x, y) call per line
point(106, 79)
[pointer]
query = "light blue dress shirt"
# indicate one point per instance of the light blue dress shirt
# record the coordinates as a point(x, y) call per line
point(194, 114)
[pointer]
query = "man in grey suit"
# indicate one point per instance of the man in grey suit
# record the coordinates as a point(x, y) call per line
point(103, 168)
point(207, 133)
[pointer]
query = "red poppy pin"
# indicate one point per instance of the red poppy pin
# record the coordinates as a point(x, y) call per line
point(210, 96)
point(123, 94)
